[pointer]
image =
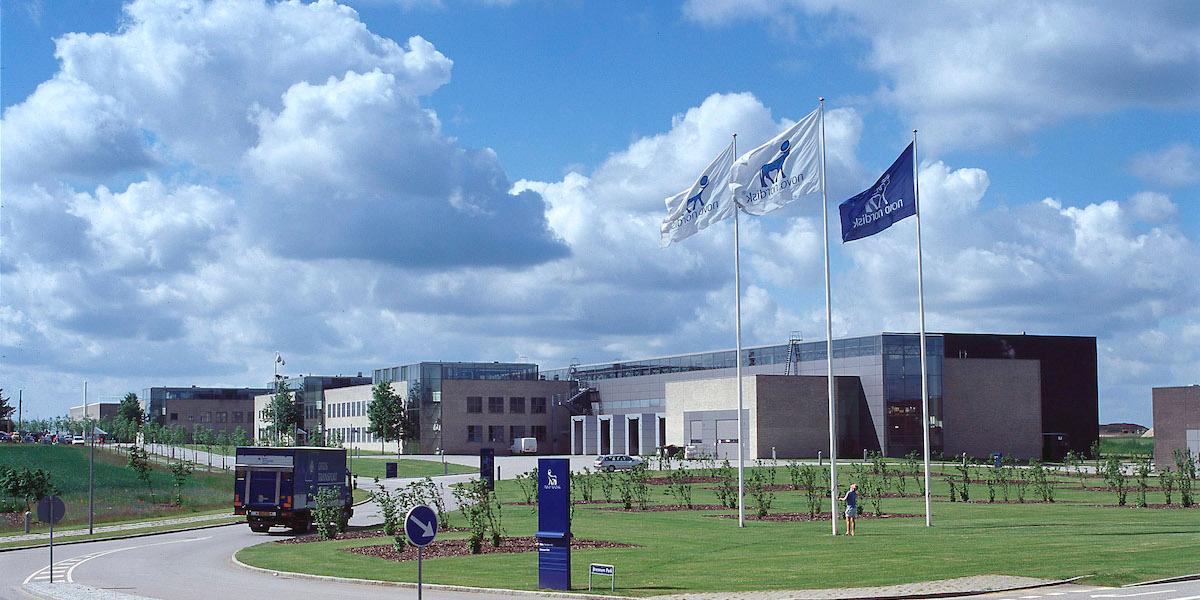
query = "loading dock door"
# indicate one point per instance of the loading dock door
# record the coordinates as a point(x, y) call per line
point(727, 439)
point(578, 426)
point(605, 436)
point(633, 436)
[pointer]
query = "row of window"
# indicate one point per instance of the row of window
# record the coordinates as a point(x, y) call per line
point(353, 434)
point(495, 433)
point(220, 417)
point(348, 409)
point(516, 405)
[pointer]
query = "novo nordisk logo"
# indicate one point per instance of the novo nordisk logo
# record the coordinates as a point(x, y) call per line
point(772, 178)
point(877, 205)
point(551, 480)
point(695, 206)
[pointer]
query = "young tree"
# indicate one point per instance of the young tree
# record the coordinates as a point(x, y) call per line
point(224, 441)
point(180, 471)
point(130, 411)
point(240, 437)
point(6, 408)
point(385, 415)
point(140, 463)
point(29, 485)
point(284, 413)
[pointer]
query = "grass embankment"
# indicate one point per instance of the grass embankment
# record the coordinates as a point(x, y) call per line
point(1130, 446)
point(367, 468)
point(1080, 534)
point(119, 495)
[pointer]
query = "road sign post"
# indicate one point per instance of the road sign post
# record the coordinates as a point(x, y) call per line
point(601, 569)
point(487, 467)
point(51, 510)
point(420, 524)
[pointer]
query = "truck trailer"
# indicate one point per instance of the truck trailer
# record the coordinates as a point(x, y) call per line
point(279, 486)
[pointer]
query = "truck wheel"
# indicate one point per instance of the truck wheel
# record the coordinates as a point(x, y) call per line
point(302, 527)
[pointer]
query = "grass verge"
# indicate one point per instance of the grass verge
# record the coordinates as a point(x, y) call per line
point(693, 551)
point(374, 467)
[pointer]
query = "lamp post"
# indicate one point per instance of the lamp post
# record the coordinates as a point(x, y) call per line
point(91, 465)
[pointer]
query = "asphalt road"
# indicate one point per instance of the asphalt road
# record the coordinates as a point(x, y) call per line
point(1184, 590)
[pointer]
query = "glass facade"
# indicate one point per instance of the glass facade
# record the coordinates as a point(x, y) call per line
point(888, 366)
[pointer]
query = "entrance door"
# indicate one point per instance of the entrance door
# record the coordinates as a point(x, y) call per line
point(578, 429)
point(727, 439)
point(605, 436)
point(633, 435)
point(662, 431)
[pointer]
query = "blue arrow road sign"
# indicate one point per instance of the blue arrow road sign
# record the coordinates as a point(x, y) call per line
point(51, 509)
point(421, 525)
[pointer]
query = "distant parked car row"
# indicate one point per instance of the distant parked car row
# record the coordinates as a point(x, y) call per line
point(42, 438)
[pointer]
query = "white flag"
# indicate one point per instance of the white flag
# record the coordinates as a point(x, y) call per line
point(781, 170)
point(701, 205)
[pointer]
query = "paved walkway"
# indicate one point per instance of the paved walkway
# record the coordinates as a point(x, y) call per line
point(960, 585)
point(197, 519)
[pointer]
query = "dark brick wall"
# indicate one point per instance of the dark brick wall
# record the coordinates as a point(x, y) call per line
point(1070, 395)
point(1176, 410)
point(991, 405)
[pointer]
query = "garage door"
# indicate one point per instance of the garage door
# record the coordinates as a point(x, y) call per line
point(727, 439)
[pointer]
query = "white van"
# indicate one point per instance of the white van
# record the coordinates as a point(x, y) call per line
point(524, 446)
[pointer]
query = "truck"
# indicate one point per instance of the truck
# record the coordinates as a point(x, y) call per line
point(279, 486)
point(525, 445)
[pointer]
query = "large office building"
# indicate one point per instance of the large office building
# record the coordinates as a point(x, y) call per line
point(463, 407)
point(95, 410)
point(1176, 423)
point(309, 391)
point(1028, 396)
point(220, 409)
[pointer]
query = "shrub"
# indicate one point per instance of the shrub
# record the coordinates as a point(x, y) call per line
point(328, 512)
point(606, 480)
point(640, 489)
point(583, 480)
point(726, 488)
point(757, 487)
point(1167, 480)
point(964, 471)
point(180, 471)
point(912, 464)
point(1143, 476)
point(679, 487)
point(1114, 477)
point(1185, 475)
point(527, 481)
point(387, 509)
point(1042, 485)
point(808, 480)
point(953, 483)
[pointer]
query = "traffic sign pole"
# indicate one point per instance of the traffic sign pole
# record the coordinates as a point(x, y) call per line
point(420, 524)
point(51, 552)
point(420, 559)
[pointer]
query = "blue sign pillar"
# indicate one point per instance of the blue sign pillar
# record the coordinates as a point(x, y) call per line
point(554, 523)
point(487, 467)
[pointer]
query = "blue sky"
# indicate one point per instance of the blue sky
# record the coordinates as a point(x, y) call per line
point(197, 185)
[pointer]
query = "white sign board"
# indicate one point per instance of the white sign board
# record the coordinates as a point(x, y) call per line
point(263, 460)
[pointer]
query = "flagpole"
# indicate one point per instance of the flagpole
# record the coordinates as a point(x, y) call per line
point(737, 304)
point(833, 487)
point(921, 309)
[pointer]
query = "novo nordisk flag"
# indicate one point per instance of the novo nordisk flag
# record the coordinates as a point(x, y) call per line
point(701, 205)
point(781, 170)
point(893, 197)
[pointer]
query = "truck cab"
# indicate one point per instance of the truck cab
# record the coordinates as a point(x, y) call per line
point(279, 486)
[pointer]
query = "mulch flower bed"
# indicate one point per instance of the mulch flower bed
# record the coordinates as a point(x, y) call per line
point(669, 508)
point(801, 517)
point(444, 548)
point(688, 479)
point(349, 535)
point(572, 502)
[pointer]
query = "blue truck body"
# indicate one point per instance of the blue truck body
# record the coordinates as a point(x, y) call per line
point(279, 486)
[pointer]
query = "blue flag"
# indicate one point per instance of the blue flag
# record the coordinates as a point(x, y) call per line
point(893, 197)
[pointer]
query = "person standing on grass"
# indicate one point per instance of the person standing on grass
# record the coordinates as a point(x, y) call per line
point(851, 500)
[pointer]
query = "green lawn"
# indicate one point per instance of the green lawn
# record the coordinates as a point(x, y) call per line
point(119, 495)
point(1080, 534)
point(367, 468)
point(1127, 446)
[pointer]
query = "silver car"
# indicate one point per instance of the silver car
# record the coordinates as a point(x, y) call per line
point(613, 462)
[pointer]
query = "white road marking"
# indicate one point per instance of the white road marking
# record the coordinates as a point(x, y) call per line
point(66, 568)
point(1132, 595)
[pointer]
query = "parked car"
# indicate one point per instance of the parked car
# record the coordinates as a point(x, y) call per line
point(4, 437)
point(614, 462)
point(78, 439)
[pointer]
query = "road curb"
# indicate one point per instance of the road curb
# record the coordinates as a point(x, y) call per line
point(431, 586)
point(1192, 577)
point(121, 537)
point(541, 594)
point(962, 593)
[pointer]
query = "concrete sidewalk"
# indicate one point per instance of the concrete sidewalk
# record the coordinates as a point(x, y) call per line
point(960, 586)
point(63, 533)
